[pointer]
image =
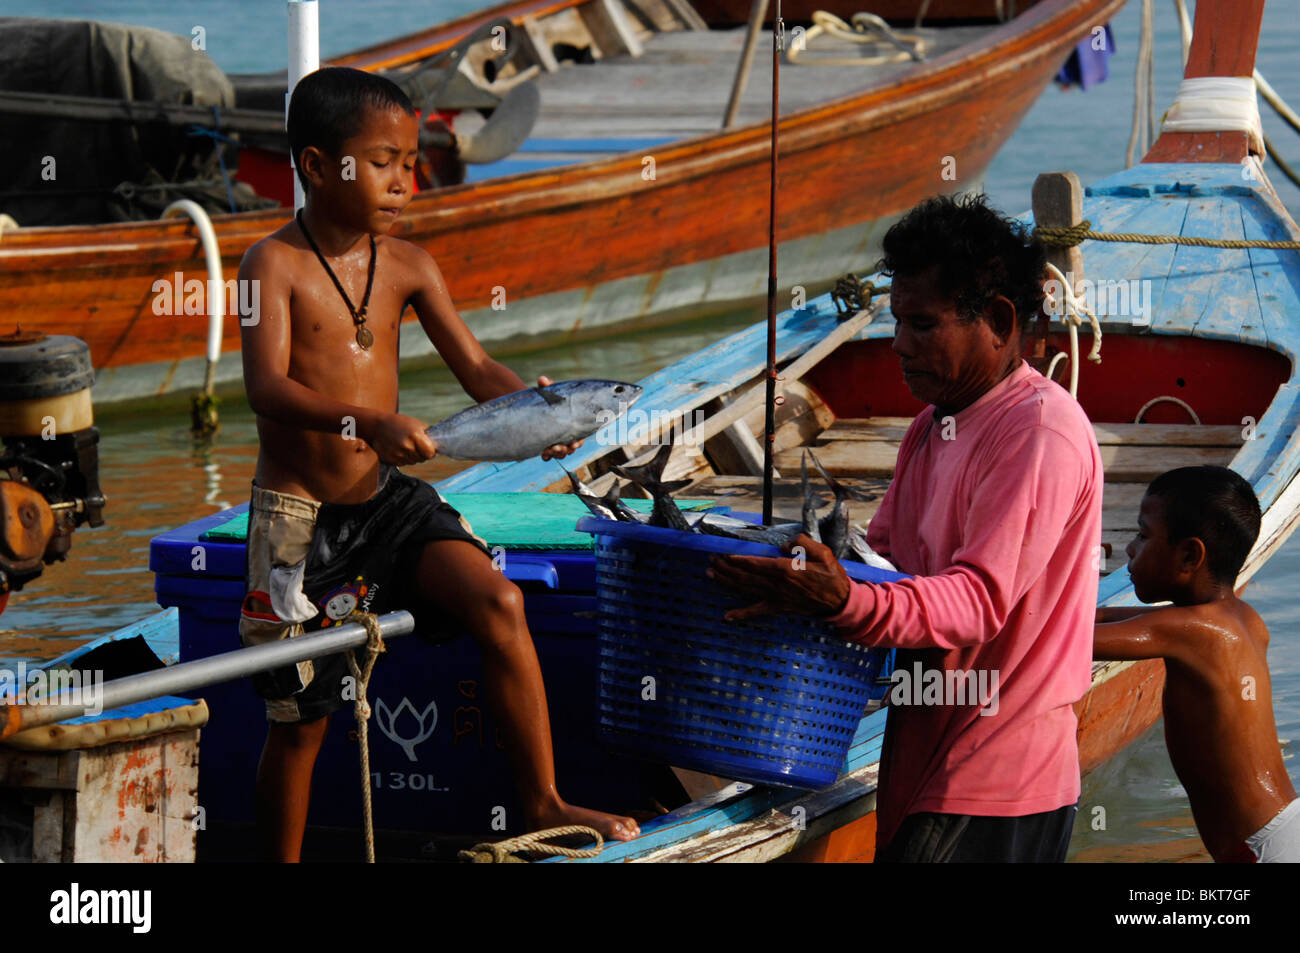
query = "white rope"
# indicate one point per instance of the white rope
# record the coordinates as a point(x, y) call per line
point(1277, 102)
point(1072, 311)
point(866, 28)
point(1166, 399)
point(1217, 104)
point(1141, 132)
point(1184, 28)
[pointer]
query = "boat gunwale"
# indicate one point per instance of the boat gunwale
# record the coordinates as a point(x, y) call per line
point(923, 90)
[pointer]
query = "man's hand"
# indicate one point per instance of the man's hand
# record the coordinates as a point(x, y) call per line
point(558, 450)
point(400, 440)
point(810, 582)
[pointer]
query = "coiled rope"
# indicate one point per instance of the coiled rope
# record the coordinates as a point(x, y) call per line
point(865, 28)
point(1072, 312)
point(502, 852)
point(361, 708)
point(1067, 236)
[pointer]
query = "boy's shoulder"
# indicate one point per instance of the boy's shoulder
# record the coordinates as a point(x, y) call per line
point(275, 248)
point(406, 254)
point(1222, 624)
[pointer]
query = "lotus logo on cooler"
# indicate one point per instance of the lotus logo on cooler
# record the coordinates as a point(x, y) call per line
point(424, 724)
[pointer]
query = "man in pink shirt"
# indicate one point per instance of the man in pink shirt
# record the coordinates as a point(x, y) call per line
point(995, 507)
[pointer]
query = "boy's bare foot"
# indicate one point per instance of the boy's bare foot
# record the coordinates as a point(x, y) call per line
point(611, 826)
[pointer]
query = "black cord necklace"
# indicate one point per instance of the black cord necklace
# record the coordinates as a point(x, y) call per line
point(364, 338)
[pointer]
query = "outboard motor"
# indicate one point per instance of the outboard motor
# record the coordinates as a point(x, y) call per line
point(49, 462)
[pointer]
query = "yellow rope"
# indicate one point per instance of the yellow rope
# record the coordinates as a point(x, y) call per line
point(361, 708)
point(502, 851)
point(1070, 235)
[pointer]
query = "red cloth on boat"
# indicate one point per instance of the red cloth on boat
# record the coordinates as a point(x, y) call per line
point(1001, 523)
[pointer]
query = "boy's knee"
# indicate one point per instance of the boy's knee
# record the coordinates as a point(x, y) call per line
point(498, 613)
point(504, 600)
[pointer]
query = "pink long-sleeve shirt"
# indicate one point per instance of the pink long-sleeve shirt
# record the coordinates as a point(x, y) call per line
point(997, 512)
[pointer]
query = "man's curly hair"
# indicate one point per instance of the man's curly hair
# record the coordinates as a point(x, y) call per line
point(979, 252)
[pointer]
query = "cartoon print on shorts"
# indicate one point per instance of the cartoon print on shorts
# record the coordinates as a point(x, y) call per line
point(340, 603)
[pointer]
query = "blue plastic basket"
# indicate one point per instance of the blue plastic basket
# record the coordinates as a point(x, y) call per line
point(775, 700)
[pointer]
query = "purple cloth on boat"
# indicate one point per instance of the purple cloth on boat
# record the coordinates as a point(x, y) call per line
point(1088, 65)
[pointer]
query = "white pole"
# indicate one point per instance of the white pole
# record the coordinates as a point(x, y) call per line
point(304, 58)
point(200, 673)
point(216, 283)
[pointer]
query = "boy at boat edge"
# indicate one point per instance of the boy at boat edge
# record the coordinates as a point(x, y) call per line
point(1196, 526)
point(333, 525)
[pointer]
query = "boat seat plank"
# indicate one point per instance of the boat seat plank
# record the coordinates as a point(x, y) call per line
point(877, 458)
point(746, 493)
point(1155, 435)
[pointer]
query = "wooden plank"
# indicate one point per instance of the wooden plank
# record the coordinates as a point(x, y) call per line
point(1143, 213)
point(1132, 464)
point(869, 458)
point(746, 494)
point(539, 47)
point(1211, 289)
point(1168, 435)
point(610, 30)
point(858, 458)
point(866, 428)
point(686, 13)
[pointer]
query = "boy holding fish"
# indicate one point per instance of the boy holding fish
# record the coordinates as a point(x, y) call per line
point(333, 524)
point(1196, 526)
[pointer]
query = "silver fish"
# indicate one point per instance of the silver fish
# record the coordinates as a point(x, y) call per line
point(523, 424)
point(834, 526)
point(862, 551)
point(610, 506)
point(650, 477)
point(716, 524)
point(811, 526)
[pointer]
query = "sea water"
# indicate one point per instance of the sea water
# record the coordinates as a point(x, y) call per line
point(156, 477)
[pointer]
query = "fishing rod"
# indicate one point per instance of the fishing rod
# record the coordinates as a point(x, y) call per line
point(778, 41)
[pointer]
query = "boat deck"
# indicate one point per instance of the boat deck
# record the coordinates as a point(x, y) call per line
point(862, 453)
point(680, 84)
point(678, 88)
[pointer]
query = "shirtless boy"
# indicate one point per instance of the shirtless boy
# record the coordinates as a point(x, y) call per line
point(1196, 527)
point(330, 513)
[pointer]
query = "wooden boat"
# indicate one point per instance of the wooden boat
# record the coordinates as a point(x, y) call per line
point(1220, 336)
point(628, 148)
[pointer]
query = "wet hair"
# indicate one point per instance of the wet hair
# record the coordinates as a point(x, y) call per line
point(979, 253)
point(329, 106)
point(1217, 506)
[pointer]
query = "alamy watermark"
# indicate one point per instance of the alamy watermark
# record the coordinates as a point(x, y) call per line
point(177, 295)
point(636, 426)
point(59, 686)
point(1129, 298)
point(934, 686)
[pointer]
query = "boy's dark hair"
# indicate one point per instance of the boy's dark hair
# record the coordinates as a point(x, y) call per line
point(979, 252)
point(328, 107)
point(1217, 506)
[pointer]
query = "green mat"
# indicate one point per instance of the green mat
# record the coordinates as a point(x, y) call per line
point(533, 521)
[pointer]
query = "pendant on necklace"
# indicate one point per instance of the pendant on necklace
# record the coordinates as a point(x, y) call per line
point(364, 338)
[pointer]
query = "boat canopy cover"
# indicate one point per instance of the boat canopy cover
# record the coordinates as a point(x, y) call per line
point(59, 171)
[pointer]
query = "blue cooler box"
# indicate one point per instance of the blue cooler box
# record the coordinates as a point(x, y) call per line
point(436, 760)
